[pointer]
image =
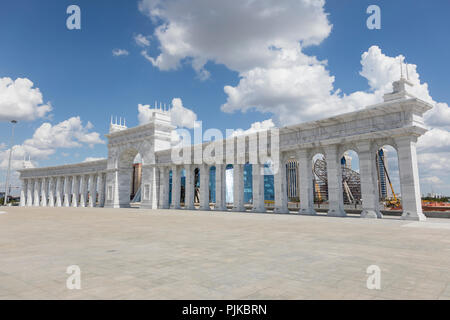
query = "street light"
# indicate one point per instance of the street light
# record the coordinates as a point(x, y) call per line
point(9, 162)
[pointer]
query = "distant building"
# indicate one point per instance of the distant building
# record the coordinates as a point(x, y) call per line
point(382, 168)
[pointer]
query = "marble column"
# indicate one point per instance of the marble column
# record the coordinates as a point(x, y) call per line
point(83, 190)
point(23, 192)
point(163, 188)
point(409, 178)
point(75, 190)
point(112, 188)
point(44, 182)
point(334, 178)
point(189, 187)
point(101, 189)
point(92, 190)
point(67, 190)
point(368, 174)
point(175, 188)
point(238, 187)
point(150, 187)
point(279, 180)
point(51, 191)
point(305, 178)
point(258, 187)
point(220, 188)
point(37, 192)
point(30, 192)
point(59, 191)
point(204, 187)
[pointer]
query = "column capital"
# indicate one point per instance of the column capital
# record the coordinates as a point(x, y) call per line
point(404, 140)
point(304, 153)
point(365, 146)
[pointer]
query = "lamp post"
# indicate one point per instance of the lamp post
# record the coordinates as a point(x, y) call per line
point(9, 162)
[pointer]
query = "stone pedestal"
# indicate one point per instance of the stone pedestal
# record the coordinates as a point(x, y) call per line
point(305, 183)
point(175, 204)
point(189, 188)
point(409, 179)
point(204, 187)
point(258, 188)
point(369, 187)
point(334, 177)
point(220, 188)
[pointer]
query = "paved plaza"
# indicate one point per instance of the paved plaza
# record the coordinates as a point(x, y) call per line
point(164, 254)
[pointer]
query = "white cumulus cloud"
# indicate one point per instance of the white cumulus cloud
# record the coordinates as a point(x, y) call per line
point(46, 139)
point(20, 101)
point(239, 34)
point(120, 52)
point(142, 40)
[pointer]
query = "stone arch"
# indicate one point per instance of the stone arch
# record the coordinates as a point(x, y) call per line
point(292, 178)
point(248, 183)
point(351, 180)
point(229, 182)
point(212, 184)
point(320, 183)
point(197, 185)
point(388, 174)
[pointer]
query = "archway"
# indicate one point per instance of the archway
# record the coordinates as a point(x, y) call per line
point(320, 180)
point(351, 181)
point(229, 182)
point(197, 186)
point(135, 194)
point(388, 177)
point(269, 186)
point(183, 188)
point(212, 184)
point(292, 183)
point(248, 184)
point(129, 176)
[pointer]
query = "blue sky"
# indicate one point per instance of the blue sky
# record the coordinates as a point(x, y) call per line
point(78, 75)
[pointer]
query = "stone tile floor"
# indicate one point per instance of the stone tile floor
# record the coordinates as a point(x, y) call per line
point(164, 254)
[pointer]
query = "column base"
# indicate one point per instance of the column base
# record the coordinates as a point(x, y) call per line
point(238, 209)
point(175, 207)
point(220, 208)
point(116, 206)
point(416, 216)
point(281, 210)
point(259, 210)
point(371, 214)
point(190, 207)
point(336, 213)
point(146, 206)
point(308, 212)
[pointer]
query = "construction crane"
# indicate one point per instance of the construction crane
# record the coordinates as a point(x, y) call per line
point(395, 202)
